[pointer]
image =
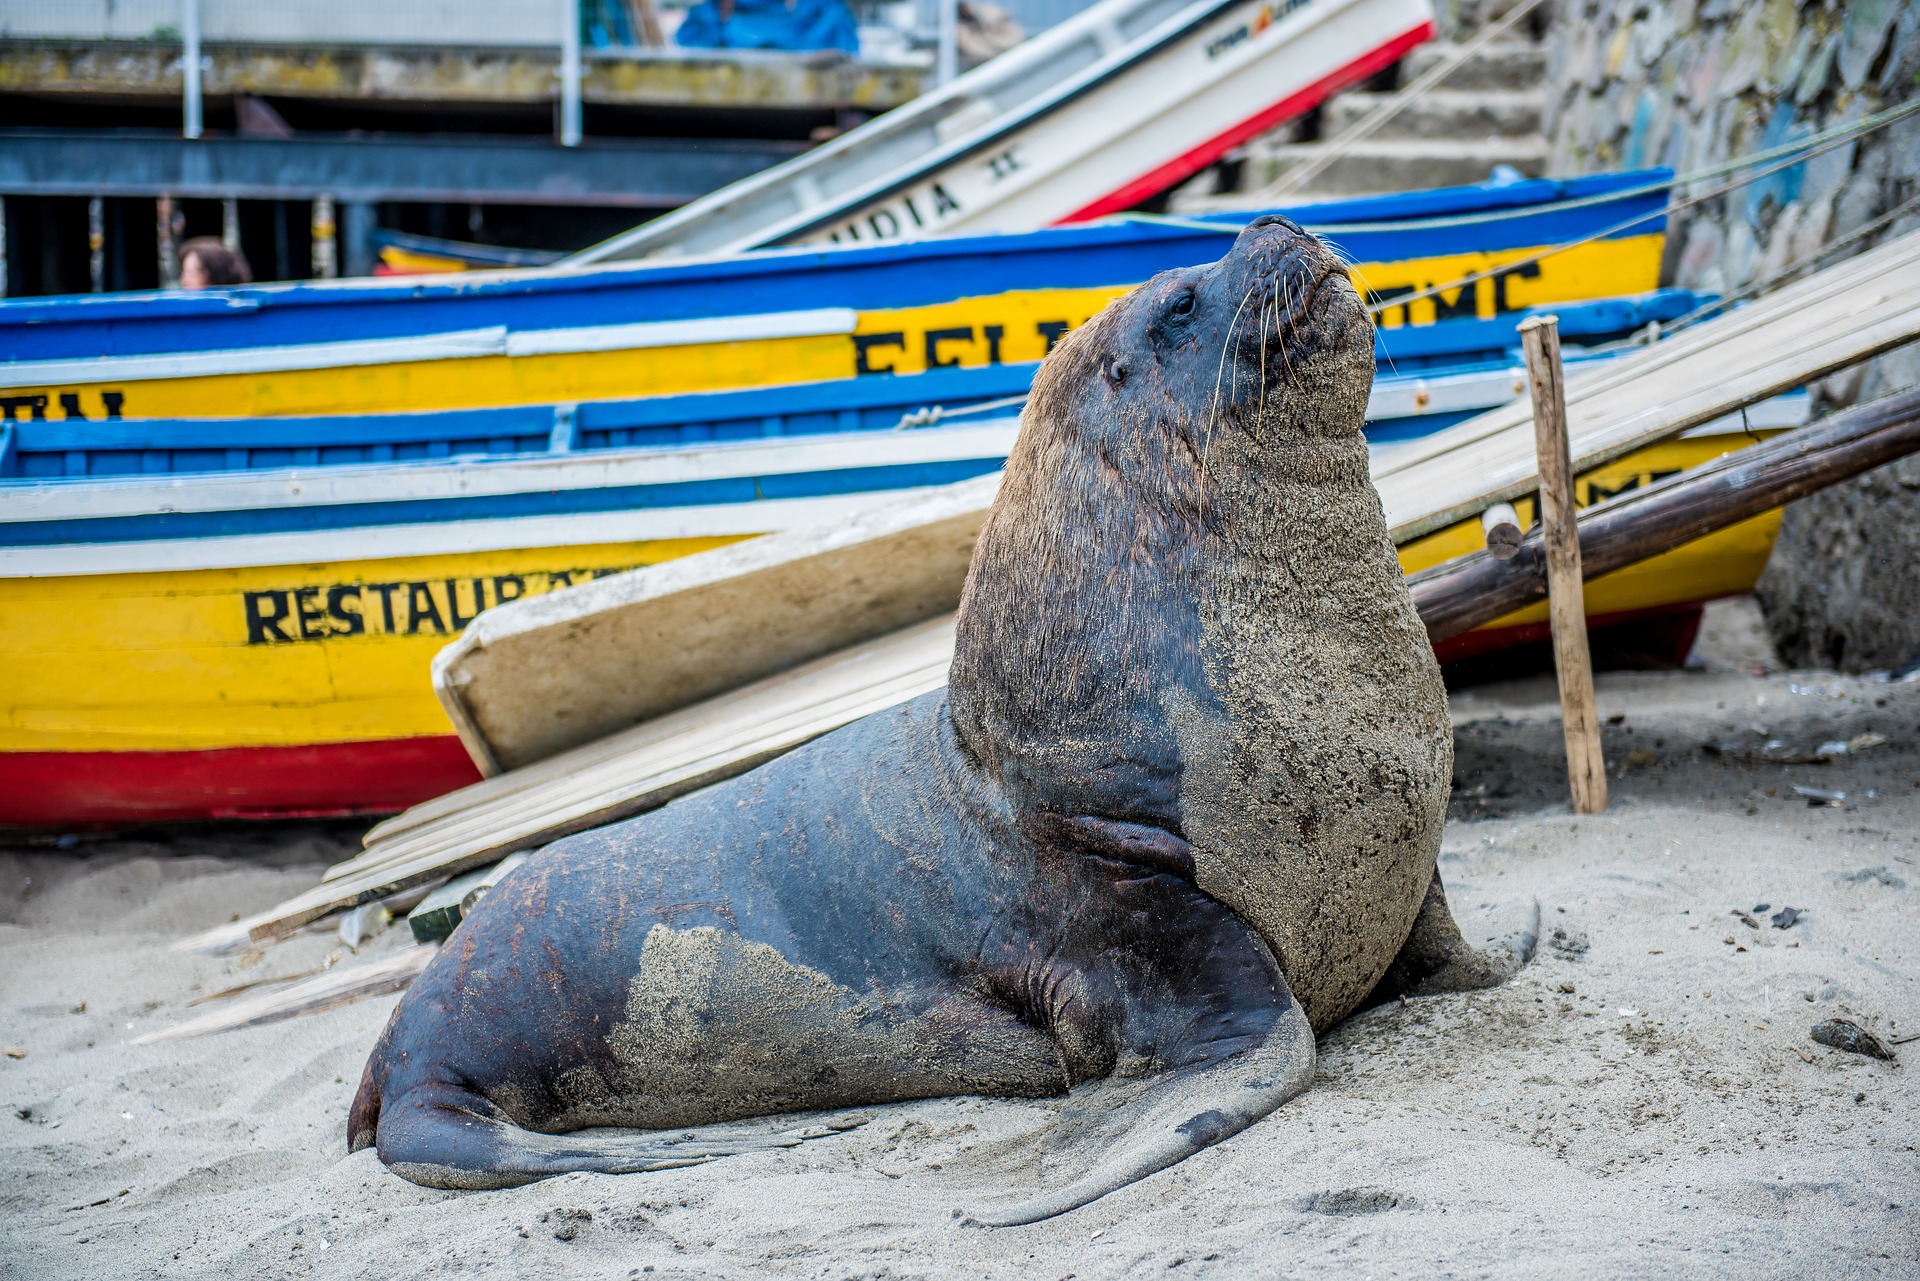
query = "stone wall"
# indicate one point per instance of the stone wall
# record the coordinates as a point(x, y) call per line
point(1693, 83)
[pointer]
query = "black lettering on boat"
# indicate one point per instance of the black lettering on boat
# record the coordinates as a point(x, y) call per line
point(913, 211)
point(1524, 270)
point(265, 612)
point(35, 407)
point(333, 611)
point(943, 201)
point(349, 622)
point(1465, 305)
point(864, 345)
point(1381, 302)
point(112, 400)
point(937, 336)
point(423, 609)
point(306, 609)
point(890, 230)
point(385, 592)
point(70, 406)
point(455, 618)
point(1052, 331)
point(993, 334)
point(1003, 165)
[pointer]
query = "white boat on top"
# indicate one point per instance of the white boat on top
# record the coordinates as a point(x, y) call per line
point(1111, 107)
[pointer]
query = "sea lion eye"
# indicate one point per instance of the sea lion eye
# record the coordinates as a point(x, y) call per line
point(1117, 370)
point(1183, 305)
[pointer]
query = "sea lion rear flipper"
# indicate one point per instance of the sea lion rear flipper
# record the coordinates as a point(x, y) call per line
point(446, 1136)
point(1182, 1112)
point(1437, 958)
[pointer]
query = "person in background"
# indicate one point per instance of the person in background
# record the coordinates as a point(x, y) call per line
point(207, 263)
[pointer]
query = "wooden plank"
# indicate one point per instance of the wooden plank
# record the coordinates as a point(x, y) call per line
point(235, 936)
point(537, 677)
point(1566, 596)
point(338, 986)
point(780, 709)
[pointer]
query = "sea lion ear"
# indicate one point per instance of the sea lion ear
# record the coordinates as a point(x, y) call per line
point(1116, 370)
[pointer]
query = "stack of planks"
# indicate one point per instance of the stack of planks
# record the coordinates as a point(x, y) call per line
point(1835, 318)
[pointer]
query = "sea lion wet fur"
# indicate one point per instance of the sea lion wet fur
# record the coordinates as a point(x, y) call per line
point(1178, 807)
point(1307, 755)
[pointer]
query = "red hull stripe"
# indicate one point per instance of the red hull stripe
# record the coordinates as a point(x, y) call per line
point(1488, 640)
point(1183, 167)
point(49, 789)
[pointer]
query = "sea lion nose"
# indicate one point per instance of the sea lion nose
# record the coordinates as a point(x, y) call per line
point(1276, 220)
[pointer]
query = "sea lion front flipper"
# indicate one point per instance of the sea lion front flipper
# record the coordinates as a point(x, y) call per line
point(1437, 958)
point(1182, 1112)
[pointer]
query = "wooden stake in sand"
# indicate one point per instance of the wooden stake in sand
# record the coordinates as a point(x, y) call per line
point(1566, 598)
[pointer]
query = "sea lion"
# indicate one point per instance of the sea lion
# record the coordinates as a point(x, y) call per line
point(1177, 808)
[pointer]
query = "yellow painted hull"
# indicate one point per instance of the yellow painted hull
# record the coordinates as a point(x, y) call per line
point(309, 683)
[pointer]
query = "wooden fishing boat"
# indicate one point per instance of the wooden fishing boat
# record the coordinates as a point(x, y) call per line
point(256, 642)
point(775, 318)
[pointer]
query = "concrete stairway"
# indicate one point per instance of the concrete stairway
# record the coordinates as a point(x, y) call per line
point(1487, 113)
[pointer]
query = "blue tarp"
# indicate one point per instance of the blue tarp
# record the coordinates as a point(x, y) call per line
point(769, 24)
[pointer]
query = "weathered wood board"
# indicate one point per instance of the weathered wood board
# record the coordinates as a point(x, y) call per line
point(536, 677)
point(336, 987)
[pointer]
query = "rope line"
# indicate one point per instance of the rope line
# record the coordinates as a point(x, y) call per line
point(940, 413)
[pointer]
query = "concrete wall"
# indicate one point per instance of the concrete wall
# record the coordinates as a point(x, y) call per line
point(383, 22)
point(1693, 83)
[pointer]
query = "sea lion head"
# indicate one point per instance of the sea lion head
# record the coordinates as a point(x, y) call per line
point(1234, 365)
point(1185, 611)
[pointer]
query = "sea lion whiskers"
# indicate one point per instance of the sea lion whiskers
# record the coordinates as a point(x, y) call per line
point(1260, 410)
point(1279, 319)
point(1358, 278)
point(1213, 415)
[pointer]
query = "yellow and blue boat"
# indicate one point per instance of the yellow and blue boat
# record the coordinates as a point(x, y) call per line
point(778, 317)
point(235, 527)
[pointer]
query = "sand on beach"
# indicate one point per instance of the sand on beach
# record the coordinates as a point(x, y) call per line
point(1643, 1100)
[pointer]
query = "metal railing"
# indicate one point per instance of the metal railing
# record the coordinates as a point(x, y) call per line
point(192, 24)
